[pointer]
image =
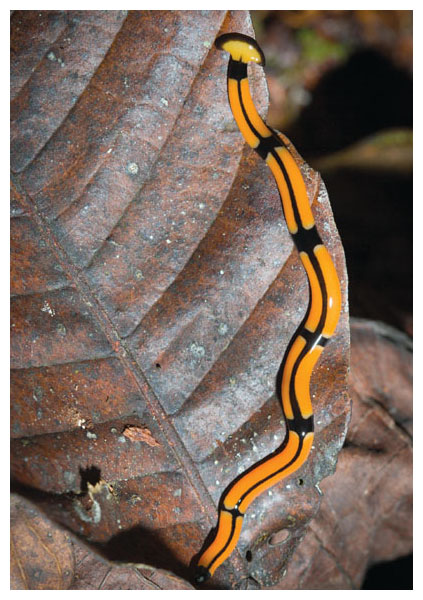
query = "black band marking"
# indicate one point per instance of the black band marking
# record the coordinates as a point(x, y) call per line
point(235, 512)
point(267, 144)
point(306, 240)
point(313, 338)
point(237, 70)
point(301, 425)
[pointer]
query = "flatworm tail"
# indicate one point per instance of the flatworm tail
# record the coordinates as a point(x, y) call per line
point(317, 327)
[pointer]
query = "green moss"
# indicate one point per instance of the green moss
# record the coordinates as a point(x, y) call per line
point(316, 48)
point(393, 137)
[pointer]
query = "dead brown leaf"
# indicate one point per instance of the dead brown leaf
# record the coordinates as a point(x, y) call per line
point(45, 557)
point(41, 553)
point(154, 283)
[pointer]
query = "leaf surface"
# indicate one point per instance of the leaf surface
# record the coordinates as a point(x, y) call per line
point(155, 289)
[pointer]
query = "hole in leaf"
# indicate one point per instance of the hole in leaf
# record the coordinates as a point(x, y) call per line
point(90, 475)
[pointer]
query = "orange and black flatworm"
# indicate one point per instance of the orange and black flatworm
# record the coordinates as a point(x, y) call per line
point(316, 328)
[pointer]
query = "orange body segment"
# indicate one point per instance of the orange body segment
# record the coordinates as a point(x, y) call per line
point(253, 116)
point(233, 540)
point(264, 470)
point(299, 186)
point(290, 360)
point(302, 381)
point(333, 290)
point(239, 117)
point(286, 464)
point(284, 193)
point(223, 544)
point(316, 303)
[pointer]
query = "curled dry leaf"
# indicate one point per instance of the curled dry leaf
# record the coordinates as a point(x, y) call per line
point(41, 556)
point(45, 557)
point(154, 283)
point(368, 501)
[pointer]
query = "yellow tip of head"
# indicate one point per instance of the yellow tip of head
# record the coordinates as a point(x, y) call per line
point(241, 47)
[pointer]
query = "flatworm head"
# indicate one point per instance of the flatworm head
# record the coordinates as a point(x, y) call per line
point(242, 48)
